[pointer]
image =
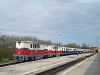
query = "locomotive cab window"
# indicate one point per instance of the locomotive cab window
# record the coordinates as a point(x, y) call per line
point(55, 47)
point(31, 46)
point(36, 46)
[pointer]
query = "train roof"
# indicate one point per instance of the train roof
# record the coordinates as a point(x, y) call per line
point(26, 41)
point(32, 42)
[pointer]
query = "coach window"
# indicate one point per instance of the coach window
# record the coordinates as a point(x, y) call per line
point(74, 49)
point(62, 49)
point(31, 46)
point(66, 49)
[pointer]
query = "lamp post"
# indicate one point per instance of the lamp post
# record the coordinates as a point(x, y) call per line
point(58, 45)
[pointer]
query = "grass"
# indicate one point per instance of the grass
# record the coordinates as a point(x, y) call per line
point(6, 55)
point(5, 60)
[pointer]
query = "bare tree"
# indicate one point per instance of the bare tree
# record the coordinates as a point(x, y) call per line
point(84, 46)
point(72, 45)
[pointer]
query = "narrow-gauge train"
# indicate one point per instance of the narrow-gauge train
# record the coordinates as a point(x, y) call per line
point(29, 50)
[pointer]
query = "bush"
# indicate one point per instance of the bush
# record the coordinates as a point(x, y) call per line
point(6, 53)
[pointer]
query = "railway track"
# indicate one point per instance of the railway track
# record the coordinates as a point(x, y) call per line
point(57, 69)
point(13, 63)
point(8, 64)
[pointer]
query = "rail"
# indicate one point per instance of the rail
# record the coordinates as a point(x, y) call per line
point(61, 67)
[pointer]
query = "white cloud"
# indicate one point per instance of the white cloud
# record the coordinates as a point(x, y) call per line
point(48, 18)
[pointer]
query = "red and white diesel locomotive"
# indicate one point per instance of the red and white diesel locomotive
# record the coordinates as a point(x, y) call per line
point(30, 50)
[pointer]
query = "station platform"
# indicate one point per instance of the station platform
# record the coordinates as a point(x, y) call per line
point(90, 66)
point(38, 66)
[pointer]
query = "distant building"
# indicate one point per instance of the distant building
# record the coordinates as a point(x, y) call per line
point(98, 49)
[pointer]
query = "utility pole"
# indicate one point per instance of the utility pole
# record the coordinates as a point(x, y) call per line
point(59, 39)
point(97, 43)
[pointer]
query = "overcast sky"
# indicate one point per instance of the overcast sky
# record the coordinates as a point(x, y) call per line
point(76, 20)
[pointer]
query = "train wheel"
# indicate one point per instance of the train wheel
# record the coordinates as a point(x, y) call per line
point(29, 58)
